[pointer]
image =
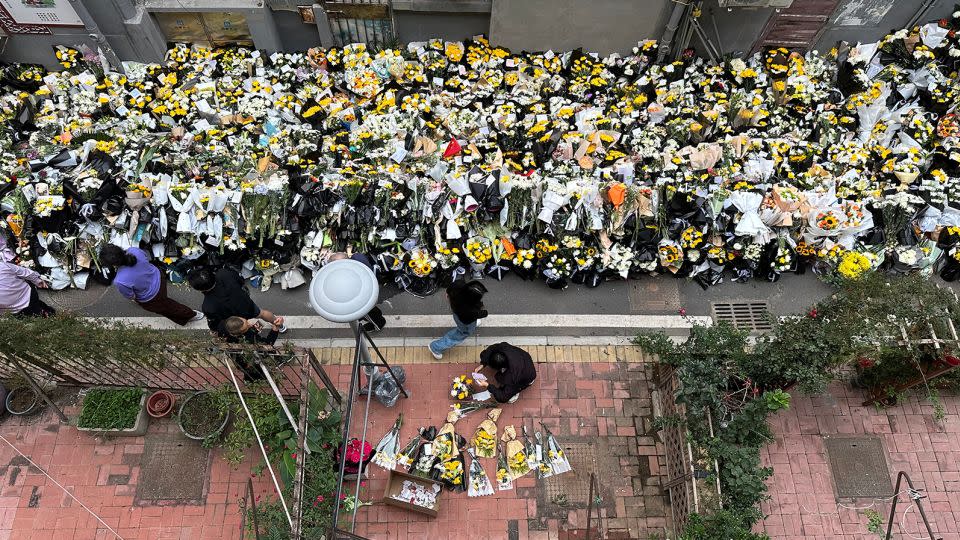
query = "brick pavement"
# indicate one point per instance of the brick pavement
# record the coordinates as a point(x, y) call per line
point(803, 503)
point(597, 395)
point(586, 394)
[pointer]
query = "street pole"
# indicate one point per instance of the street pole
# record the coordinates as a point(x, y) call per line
point(96, 35)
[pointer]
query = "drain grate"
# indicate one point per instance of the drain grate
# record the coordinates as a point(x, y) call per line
point(573, 488)
point(654, 296)
point(859, 467)
point(173, 470)
point(743, 315)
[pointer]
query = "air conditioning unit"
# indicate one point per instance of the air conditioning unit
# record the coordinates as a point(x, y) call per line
point(755, 3)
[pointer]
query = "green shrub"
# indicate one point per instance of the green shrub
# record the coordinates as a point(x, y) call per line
point(110, 408)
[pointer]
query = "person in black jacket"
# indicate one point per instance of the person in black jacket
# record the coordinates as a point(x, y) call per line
point(240, 330)
point(513, 370)
point(466, 303)
point(224, 296)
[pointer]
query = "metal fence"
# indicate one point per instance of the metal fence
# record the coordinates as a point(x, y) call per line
point(361, 21)
point(177, 372)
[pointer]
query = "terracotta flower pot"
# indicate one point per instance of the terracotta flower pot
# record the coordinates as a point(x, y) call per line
point(160, 403)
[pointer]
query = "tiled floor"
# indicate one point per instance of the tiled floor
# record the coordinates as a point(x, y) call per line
point(595, 395)
point(588, 395)
point(803, 504)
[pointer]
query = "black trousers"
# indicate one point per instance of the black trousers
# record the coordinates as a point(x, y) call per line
point(36, 307)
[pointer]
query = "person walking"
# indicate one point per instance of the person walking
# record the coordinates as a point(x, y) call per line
point(224, 296)
point(466, 303)
point(513, 370)
point(18, 292)
point(142, 282)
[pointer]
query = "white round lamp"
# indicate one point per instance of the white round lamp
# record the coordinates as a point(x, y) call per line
point(344, 291)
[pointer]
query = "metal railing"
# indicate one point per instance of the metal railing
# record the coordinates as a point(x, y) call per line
point(176, 372)
point(594, 499)
point(361, 21)
point(916, 497)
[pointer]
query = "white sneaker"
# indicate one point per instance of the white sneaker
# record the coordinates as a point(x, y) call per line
point(435, 355)
point(198, 316)
point(514, 398)
point(282, 329)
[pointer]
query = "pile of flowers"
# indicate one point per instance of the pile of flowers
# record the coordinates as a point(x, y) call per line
point(439, 158)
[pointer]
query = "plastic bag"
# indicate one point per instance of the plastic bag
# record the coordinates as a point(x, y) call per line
point(385, 388)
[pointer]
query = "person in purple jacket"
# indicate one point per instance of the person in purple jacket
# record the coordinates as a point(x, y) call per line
point(139, 280)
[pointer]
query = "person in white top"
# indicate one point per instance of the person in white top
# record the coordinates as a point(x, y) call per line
point(18, 292)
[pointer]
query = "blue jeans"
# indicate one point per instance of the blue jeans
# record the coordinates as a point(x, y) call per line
point(454, 337)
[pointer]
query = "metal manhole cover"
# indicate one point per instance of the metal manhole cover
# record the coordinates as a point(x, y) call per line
point(72, 299)
point(859, 467)
point(573, 488)
point(173, 470)
point(743, 315)
point(654, 295)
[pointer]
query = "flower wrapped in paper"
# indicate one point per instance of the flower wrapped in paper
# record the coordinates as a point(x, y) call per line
point(484, 440)
point(385, 453)
point(554, 456)
point(406, 457)
point(426, 454)
point(504, 477)
point(479, 481)
point(515, 454)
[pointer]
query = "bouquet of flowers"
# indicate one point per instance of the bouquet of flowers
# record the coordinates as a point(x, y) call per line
point(504, 477)
point(461, 387)
point(516, 454)
point(426, 453)
point(479, 482)
point(406, 457)
point(357, 455)
point(555, 457)
point(459, 410)
point(485, 438)
point(385, 454)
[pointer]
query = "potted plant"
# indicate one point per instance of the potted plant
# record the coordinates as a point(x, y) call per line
point(114, 411)
point(160, 403)
point(203, 416)
point(22, 400)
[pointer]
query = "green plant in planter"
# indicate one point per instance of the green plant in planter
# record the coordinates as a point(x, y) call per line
point(110, 408)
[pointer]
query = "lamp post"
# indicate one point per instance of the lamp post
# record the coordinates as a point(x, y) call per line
point(345, 291)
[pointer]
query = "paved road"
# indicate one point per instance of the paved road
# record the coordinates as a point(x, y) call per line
point(642, 299)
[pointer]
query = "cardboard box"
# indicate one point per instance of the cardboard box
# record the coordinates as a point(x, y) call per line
point(395, 483)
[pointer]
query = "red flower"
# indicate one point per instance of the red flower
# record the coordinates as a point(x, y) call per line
point(864, 362)
point(293, 455)
point(319, 498)
point(683, 312)
point(944, 23)
point(363, 484)
point(812, 313)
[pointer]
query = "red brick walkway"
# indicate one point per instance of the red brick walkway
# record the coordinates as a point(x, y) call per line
point(605, 404)
point(803, 502)
point(598, 396)
point(33, 507)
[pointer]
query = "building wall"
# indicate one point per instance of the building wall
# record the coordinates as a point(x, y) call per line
point(738, 27)
point(420, 25)
point(862, 24)
point(602, 26)
point(295, 35)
